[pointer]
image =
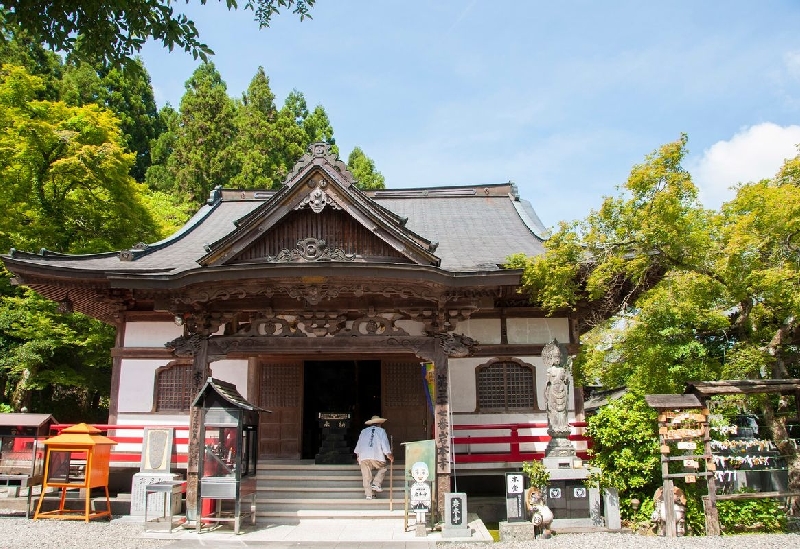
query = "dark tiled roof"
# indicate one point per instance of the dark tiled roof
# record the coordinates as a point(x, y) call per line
point(476, 230)
point(228, 392)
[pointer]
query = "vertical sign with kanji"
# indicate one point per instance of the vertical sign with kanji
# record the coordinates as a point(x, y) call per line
point(515, 490)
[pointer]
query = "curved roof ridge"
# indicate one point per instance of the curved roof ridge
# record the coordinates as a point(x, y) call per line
point(531, 220)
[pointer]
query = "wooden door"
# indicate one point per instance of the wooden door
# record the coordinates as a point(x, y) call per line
point(281, 391)
point(403, 403)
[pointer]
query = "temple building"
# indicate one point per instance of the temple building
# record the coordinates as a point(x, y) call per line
point(323, 298)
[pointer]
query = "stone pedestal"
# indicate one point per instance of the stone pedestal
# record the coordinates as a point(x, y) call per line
point(517, 531)
point(574, 505)
point(156, 501)
point(455, 516)
point(611, 509)
point(333, 448)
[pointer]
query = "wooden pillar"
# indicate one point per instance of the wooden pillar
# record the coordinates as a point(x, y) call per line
point(442, 429)
point(709, 503)
point(200, 371)
point(116, 366)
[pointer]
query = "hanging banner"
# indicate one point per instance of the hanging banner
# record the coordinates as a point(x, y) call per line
point(429, 381)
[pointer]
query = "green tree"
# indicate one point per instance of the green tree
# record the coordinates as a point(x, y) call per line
point(679, 292)
point(114, 31)
point(65, 174)
point(363, 169)
point(66, 188)
point(57, 363)
point(160, 175)
point(128, 93)
point(203, 157)
point(257, 140)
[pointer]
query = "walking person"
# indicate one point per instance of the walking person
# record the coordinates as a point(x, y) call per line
point(372, 451)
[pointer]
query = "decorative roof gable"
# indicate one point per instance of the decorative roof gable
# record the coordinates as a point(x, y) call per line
point(320, 215)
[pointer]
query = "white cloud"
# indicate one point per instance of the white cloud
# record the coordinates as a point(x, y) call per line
point(754, 153)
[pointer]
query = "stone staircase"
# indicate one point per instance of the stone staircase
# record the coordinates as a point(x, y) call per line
point(301, 489)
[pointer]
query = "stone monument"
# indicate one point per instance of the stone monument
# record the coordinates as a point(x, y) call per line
point(573, 504)
point(559, 453)
point(155, 467)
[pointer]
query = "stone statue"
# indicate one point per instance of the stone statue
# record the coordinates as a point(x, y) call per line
point(659, 517)
point(556, 392)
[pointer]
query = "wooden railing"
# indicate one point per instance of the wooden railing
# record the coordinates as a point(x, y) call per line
point(128, 451)
point(507, 447)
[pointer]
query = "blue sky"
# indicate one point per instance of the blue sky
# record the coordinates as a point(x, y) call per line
point(562, 98)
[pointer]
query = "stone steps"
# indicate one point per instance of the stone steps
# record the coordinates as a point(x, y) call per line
point(303, 489)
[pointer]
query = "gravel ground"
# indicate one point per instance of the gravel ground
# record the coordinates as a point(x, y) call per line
point(632, 541)
point(21, 533)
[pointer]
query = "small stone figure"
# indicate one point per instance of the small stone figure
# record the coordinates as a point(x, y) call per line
point(541, 515)
point(659, 516)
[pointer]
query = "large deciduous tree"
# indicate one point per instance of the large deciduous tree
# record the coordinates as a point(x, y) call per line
point(679, 292)
point(65, 174)
point(115, 30)
point(66, 187)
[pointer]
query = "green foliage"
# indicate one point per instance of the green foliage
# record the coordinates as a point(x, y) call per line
point(625, 436)
point(202, 157)
point(48, 355)
point(537, 473)
point(65, 174)
point(751, 515)
point(363, 169)
point(112, 31)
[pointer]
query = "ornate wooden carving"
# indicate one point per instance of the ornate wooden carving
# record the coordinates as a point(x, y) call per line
point(317, 199)
point(373, 325)
point(311, 249)
point(270, 326)
point(456, 345)
point(303, 235)
point(185, 346)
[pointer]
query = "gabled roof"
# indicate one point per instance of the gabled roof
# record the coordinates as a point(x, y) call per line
point(318, 182)
point(447, 232)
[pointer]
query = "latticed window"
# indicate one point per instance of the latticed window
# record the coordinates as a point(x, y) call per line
point(174, 388)
point(506, 386)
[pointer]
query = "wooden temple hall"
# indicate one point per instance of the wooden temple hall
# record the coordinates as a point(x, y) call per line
point(321, 298)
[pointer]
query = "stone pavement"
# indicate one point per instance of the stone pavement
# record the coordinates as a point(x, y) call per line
point(318, 534)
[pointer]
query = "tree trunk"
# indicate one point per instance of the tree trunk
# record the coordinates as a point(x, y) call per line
point(777, 422)
point(21, 397)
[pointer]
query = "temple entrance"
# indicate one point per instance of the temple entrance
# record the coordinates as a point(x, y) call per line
point(339, 386)
point(297, 391)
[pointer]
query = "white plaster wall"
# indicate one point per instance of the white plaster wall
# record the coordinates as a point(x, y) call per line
point(232, 371)
point(136, 384)
point(482, 330)
point(463, 392)
point(463, 401)
point(412, 327)
point(137, 378)
point(150, 334)
point(534, 331)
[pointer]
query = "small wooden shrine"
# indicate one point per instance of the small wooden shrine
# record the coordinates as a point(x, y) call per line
point(76, 458)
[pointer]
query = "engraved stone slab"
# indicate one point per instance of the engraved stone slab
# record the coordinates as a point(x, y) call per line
point(156, 500)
